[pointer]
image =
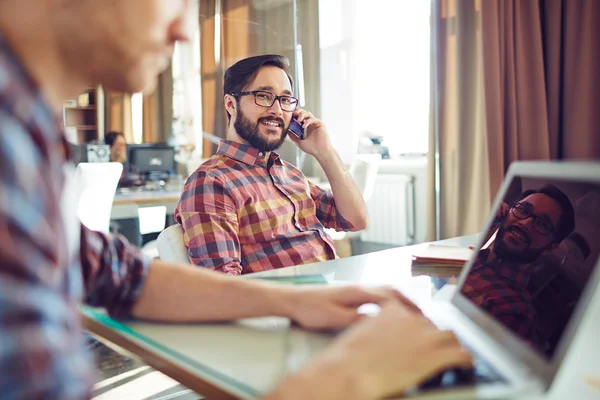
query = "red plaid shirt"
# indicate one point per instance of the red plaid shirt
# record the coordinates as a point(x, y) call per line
point(502, 291)
point(243, 213)
point(49, 262)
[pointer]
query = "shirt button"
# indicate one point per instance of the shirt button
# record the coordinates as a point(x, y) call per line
point(261, 154)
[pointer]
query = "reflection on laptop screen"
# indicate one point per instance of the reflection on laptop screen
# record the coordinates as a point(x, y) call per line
point(537, 257)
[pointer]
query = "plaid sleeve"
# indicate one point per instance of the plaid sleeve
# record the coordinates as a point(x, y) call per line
point(208, 215)
point(113, 271)
point(327, 212)
point(42, 354)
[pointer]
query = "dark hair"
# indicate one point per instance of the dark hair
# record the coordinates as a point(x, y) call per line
point(111, 137)
point(566, 222)
point(243, 72)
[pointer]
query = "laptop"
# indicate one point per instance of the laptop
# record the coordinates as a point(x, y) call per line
point(520, 298)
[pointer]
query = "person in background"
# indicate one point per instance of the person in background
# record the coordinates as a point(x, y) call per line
point(50, 263)
point(118, 153)
point(246, 210)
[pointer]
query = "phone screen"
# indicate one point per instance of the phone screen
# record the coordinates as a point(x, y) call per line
point(296, 128)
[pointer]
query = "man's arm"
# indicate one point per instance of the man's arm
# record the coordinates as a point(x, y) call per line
point(209, 219)
point(42, 354)
point(349, 200)
point(178, 293)
point(118, 278)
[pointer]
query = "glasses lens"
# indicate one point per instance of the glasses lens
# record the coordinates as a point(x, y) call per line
point(543, 226)
point(264, 99)
point(288, 103)
point(520, 211)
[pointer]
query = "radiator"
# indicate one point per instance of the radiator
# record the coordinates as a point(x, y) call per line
point(392, 218)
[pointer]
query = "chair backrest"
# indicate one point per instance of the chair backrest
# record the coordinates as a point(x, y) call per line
point(171, 246)
point(96, 184)
point(364, 171)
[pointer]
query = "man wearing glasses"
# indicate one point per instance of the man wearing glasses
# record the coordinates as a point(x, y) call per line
point(533, 226)
point(245, 209)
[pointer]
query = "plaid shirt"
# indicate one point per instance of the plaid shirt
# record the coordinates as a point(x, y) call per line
point(242, 213)
point(502, 291)
point(49, 262)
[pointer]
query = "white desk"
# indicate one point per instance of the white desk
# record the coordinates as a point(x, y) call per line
point(248, 358)
point(124, 204)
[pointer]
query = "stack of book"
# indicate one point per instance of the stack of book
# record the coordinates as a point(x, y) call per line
point(439, 260)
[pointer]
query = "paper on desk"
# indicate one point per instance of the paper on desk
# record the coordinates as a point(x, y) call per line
point(439, 254)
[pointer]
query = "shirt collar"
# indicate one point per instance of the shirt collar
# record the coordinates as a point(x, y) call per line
point(245, 153)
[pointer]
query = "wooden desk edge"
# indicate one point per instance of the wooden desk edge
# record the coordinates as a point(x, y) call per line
point(156, 361)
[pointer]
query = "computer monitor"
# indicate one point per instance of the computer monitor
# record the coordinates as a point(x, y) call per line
point(153, 161)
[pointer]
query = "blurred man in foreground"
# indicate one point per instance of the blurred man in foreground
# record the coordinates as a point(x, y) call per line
point(49, 263)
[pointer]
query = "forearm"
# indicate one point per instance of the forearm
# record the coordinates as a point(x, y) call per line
point(181, 293)
point(349, 200)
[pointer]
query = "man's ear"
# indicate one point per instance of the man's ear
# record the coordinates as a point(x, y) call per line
point(230, 104)
point(551, 247)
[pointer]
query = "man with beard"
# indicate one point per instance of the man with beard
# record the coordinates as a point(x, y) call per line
point(534, 225)
point(245, 209)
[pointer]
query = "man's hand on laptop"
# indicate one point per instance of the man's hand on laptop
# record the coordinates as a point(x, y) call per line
point(397, 350)
point(336, 308)
point(378, 357)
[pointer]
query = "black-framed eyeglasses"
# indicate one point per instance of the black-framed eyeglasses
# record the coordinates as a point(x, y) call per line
point(267, 99)
point(540, 224)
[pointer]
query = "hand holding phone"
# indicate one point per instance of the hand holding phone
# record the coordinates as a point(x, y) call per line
point(296, 128)
point(501, 213)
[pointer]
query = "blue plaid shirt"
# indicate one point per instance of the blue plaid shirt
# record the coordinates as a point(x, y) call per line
point(49, 262)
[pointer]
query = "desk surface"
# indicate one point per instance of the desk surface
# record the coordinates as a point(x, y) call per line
point(146, 197)
point(247, 358)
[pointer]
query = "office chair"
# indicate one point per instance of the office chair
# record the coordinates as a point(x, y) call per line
point(364, 171)
point(96, 184)
point(171, 246)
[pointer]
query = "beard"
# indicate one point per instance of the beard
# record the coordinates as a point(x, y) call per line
point(251, 132)
point(503, 252)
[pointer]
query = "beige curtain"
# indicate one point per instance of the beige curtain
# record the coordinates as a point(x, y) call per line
point(542, 87)
point(458, 118)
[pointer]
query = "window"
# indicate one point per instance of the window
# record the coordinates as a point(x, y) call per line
point(187, 95)
point(375, 71)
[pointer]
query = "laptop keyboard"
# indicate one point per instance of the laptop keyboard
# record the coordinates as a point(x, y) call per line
point(481, 373)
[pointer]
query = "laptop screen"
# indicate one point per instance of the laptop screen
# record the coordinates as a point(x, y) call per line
point(537, 257)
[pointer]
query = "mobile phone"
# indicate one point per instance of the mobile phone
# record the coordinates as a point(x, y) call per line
point(296, 128)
